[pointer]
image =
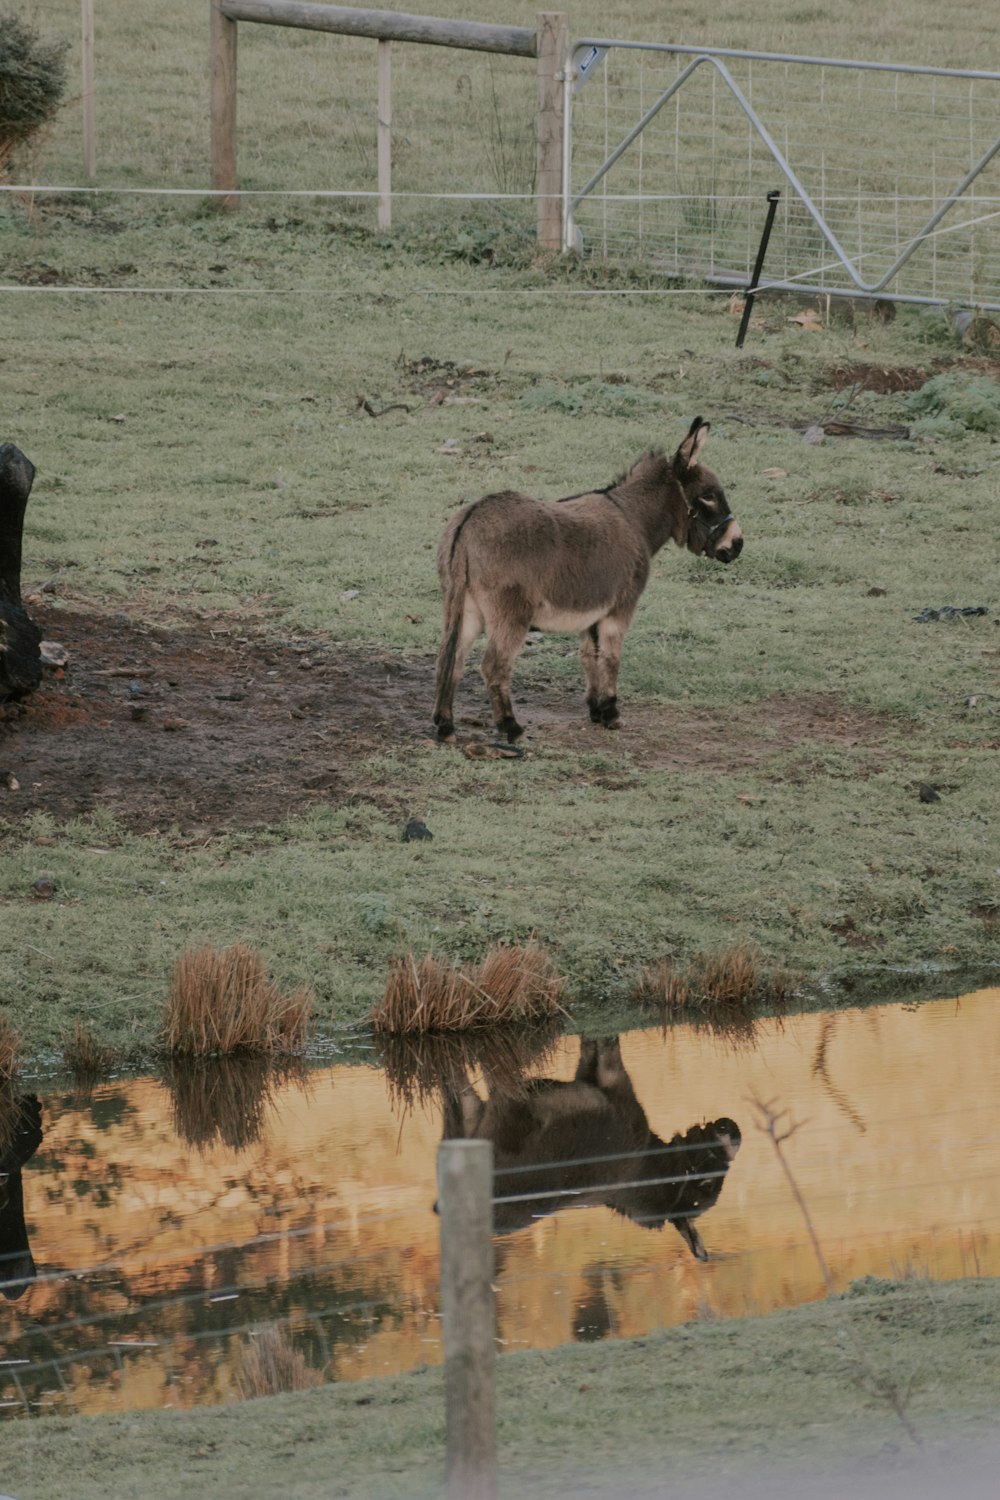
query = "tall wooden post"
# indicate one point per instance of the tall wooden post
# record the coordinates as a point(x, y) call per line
point(384, 134)
point(87, 82)
point(223, 44)
point(465, 1191)
point(552, 39)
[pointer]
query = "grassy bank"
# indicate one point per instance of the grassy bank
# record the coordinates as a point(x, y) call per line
point(785, 711)
point(726, 1401)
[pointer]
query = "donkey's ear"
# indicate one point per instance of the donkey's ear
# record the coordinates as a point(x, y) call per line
point(687, 453)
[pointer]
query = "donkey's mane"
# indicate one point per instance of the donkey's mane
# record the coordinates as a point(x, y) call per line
point(644, 461)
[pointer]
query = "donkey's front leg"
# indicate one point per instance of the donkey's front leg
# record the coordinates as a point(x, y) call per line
point(506, 637)
point(601, 654)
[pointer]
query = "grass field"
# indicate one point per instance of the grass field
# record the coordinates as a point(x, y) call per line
point(200, 385)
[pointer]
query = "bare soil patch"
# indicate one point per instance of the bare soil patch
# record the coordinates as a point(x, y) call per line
point(205, 727)
point(887, 380)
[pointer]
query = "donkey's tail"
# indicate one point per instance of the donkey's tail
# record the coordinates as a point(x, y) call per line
point(450, 656)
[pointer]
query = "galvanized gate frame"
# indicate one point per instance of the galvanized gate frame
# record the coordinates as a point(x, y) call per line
point(586, 55)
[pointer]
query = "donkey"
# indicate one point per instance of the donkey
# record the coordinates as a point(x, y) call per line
point(588, 1142)
point(508, 562)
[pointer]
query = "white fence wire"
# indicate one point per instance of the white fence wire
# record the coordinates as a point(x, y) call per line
point(889, 176)
point(197, 1330)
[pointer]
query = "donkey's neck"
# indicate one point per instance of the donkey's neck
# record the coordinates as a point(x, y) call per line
point(651, 496)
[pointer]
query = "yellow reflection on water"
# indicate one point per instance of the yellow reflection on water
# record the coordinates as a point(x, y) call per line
point(155, 1258)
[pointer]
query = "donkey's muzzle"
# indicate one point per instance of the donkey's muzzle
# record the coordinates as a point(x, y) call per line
point(725, 540)
point(730, 552)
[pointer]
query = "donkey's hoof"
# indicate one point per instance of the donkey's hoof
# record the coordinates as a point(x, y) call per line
point(511, 728)
point(445, 729)
point(608, 711)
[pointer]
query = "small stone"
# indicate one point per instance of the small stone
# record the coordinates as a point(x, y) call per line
point(929, 793)
point(51, 654)
point(10, 781)
point(172, 726)
point(416, 830)
point(44, 888)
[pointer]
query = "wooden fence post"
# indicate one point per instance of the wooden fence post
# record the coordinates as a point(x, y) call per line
point(87, 69)
point(552, 47)
point(384, 134)
point(223, 44)
point(465, 1194)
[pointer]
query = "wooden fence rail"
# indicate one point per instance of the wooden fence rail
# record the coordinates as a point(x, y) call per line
point(548, 44)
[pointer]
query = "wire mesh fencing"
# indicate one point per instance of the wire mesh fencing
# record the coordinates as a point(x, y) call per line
point(889, 176)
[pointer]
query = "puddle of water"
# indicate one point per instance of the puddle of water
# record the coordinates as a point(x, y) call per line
point(169, 1221)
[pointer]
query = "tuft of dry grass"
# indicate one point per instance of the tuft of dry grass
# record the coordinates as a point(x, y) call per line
point(727, 986)
point(222, 1003)
point(9, 1119)
point(85, 1058)
point(268, 1363)
point(226, 1099)
point(517, 984)
point(9, 1042)
point(420, 1068)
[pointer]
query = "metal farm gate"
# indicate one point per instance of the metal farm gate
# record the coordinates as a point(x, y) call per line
point(889, 176)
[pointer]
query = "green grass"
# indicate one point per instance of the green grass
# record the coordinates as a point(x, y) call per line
point(794, 1401)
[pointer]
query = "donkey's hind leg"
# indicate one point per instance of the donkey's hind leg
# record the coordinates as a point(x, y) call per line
point(451, 661)
point(506, 630)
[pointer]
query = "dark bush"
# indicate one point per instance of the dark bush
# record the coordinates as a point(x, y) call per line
point(32, 83)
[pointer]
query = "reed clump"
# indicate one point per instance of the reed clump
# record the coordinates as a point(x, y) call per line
point(728, 985)
point(10, 1115)
point(222, 1003)
point(9, 1042)
point(86, 1058)
point(516, 984)
point(269, 1364)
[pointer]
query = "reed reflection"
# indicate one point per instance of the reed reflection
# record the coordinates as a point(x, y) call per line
point(20, 1138)
point(226, 1100)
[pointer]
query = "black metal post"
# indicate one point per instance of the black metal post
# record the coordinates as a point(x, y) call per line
point(772, 208)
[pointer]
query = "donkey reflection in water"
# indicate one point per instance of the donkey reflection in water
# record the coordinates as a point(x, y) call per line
point(587, 1142)
point(508, 562)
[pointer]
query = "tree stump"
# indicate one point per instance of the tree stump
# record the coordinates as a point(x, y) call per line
point(20, 661)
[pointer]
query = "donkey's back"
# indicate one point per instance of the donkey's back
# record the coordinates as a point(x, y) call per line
point(509, 561)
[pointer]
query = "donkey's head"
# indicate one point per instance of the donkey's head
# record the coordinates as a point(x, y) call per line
point(681, 1179)
point(710, 526)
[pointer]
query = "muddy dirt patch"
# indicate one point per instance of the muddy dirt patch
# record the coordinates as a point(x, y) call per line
point(887, 380)
point(205, 727)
